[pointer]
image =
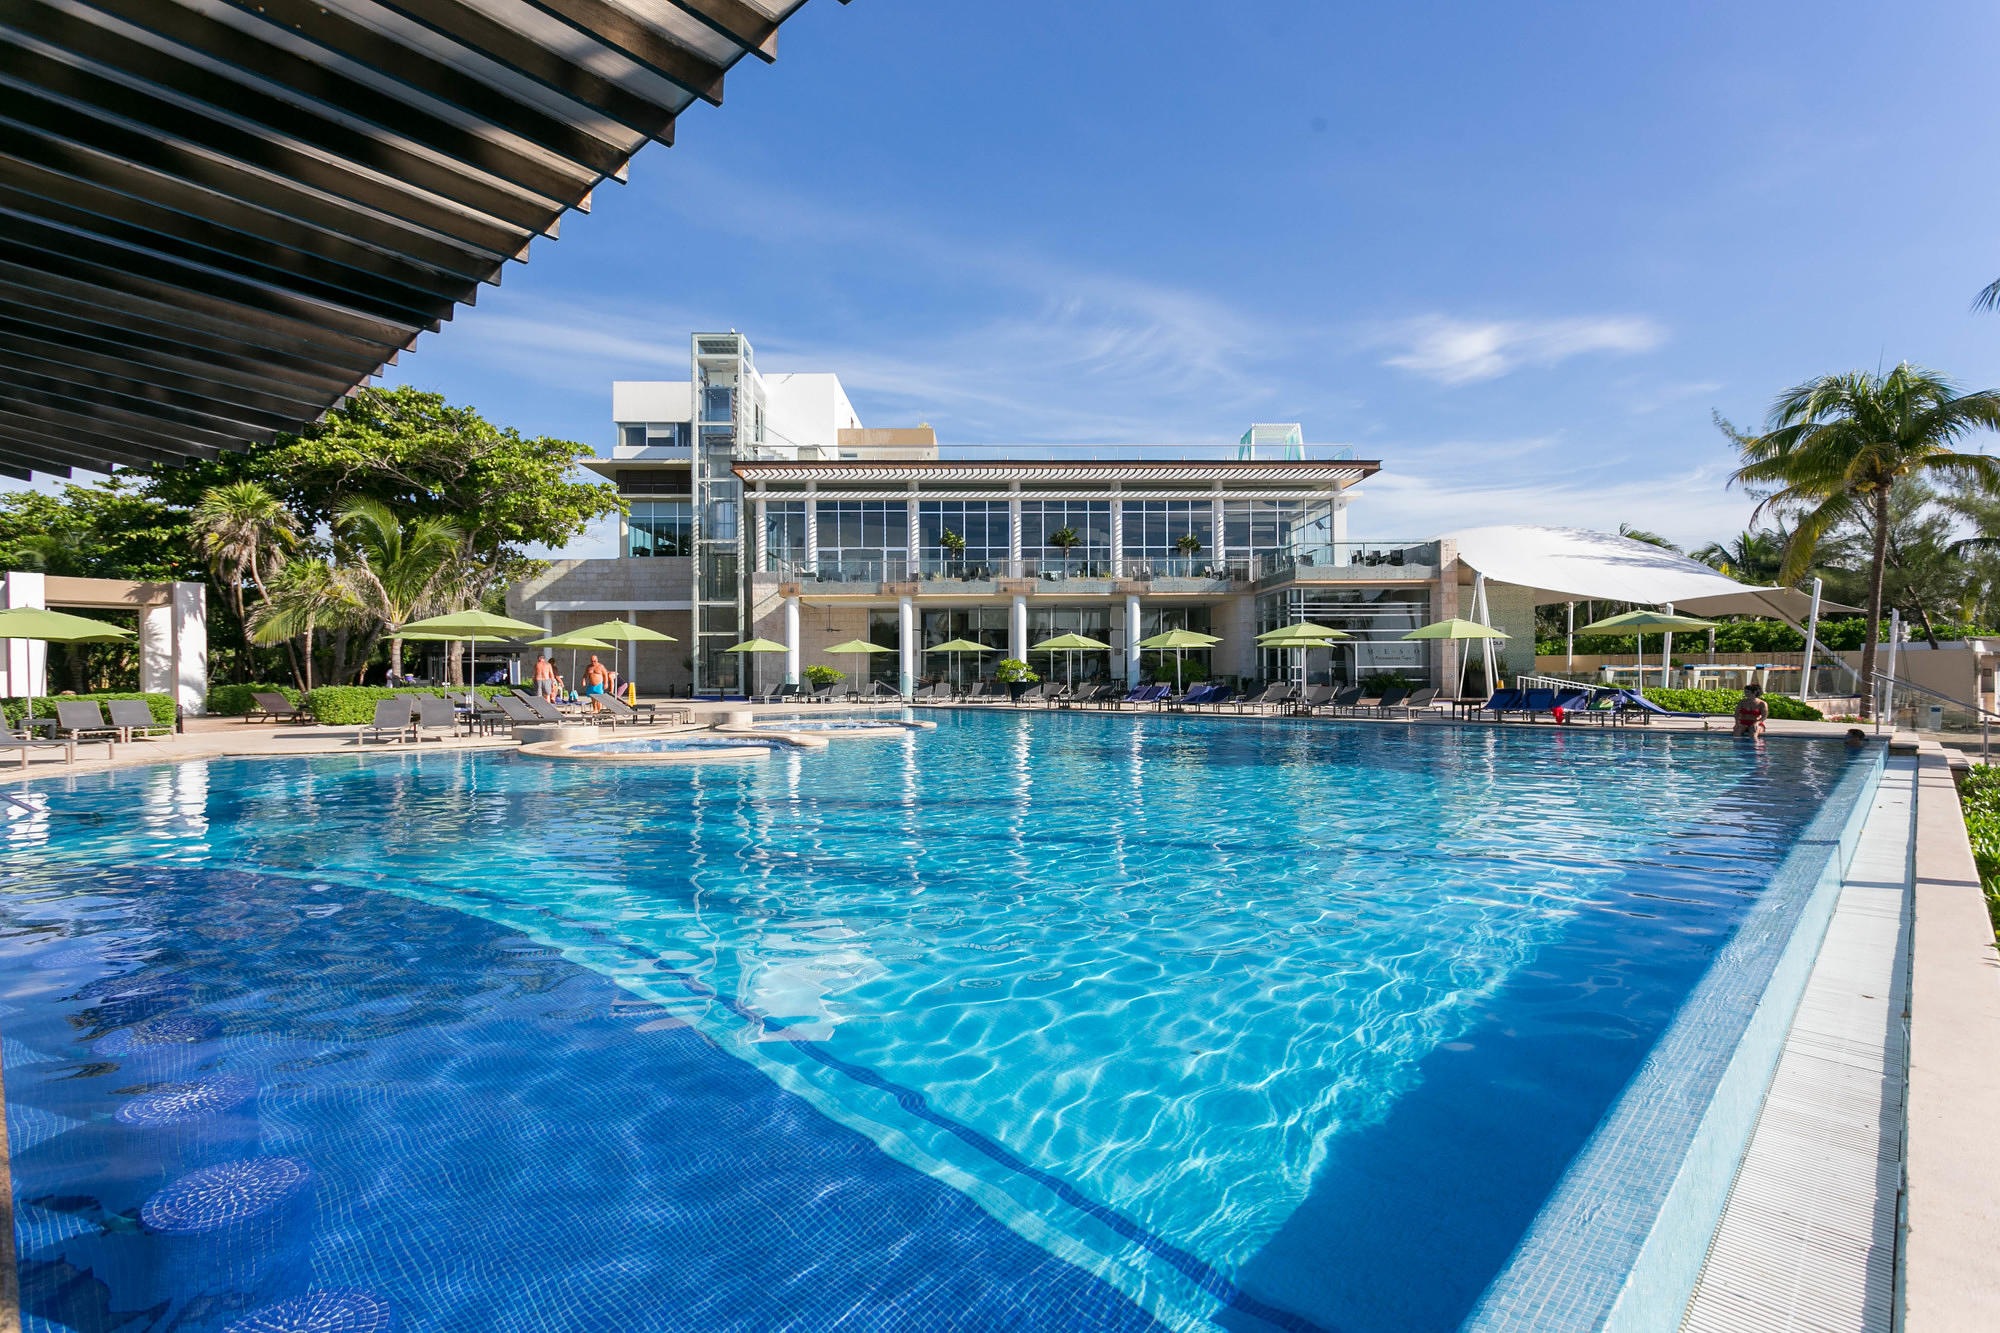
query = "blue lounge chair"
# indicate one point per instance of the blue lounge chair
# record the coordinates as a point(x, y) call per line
point(1502, 703)
point(1636, 702)
point(1196, 696)
point(1221, 696)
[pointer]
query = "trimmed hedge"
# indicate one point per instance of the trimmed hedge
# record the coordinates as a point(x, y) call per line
point(235, 700)
point(354, 705)
point(16, 710)
point(1723, 703)
point(1979, 797)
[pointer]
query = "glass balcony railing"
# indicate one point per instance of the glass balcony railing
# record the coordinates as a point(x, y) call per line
point(1357, 559)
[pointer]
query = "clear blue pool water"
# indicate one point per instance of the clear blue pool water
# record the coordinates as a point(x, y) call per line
point(1057, 1021)
point(673, 744)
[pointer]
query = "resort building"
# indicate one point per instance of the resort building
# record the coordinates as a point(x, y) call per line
point(760, 506)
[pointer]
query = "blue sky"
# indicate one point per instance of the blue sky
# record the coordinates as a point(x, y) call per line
point(1519, 253)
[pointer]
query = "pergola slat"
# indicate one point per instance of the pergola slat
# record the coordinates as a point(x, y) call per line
point(218, 218)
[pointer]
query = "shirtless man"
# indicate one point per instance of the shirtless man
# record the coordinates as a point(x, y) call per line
point(596, 680)
point(545, 678)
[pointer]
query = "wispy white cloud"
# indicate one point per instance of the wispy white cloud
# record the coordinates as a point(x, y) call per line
point(1462, 351)
point(1688, 507)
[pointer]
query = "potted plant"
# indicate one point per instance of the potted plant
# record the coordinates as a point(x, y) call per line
point(824, 677)
point(954, 548)
point(1188, 545)
point(1065, 539)
point(1016, 675)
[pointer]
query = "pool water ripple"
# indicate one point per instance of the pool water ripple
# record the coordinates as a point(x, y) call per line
point(1125, 984)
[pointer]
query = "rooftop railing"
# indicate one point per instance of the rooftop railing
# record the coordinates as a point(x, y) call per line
point(1418, 558)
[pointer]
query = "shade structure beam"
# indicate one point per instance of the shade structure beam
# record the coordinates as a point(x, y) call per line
point(300, 189)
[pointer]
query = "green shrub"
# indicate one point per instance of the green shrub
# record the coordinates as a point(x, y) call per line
point(1723, 703)
point(1192, 673)
point(819, 677)
point(1979, 796)
point(354, 705)
point(160, 705)
point(1013, 671)
point(235, 700)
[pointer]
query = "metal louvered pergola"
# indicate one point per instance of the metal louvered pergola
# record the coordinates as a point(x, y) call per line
point(219, 217)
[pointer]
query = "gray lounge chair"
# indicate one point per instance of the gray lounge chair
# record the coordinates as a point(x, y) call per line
point(1316, 696)
point(274, 707)
point(22, 741)
point(618, 713)
point(1275, 696)
point(1420, 702)
point(82, 719)
point(134, 720)
point(395, 719)
point(434, 716)
point(1345, 698)
point(514, 712)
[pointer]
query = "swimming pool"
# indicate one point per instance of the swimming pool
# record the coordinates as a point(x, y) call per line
point(1036, 1021)
point(676, 744)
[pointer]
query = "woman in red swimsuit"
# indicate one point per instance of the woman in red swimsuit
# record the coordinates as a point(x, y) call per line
point(1751, 711)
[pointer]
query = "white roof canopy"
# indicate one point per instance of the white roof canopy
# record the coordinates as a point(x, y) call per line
point(1575, 564)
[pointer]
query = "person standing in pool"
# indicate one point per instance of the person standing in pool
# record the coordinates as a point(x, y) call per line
point(1752, 712)
point(596, 679)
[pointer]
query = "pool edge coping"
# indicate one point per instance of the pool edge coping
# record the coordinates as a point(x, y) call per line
point(1948, 1275)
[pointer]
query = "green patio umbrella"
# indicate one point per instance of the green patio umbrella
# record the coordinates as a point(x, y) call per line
point(955, 647)
point(576, 641)
point(623, 631)
point(1301, 635)
point(34, 622)
point(856, 647)
point(755, 646)
point(1179, 640)
point(1071, 644)
point(1455, 628)
point(471, 626)
point(1637, 624)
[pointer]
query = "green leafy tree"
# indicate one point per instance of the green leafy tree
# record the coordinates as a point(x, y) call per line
point(307, 597)
point(1836, 447)
point(397, 569)
point(506, 495)
point(1650, 538)
point(246, 536)
point(1756, 555)
point(1065, 539)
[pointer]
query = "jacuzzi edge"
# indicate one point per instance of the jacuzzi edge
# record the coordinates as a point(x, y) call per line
point(1637, 1279)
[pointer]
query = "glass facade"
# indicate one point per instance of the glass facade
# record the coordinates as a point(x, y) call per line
point(863, 540)
point(1252, 528)
point(1154, 530)
point(1090, 520)
point(982, 524)
point(785, 535)
point(660, 527)
point(1093, 622)
point(1376, 617)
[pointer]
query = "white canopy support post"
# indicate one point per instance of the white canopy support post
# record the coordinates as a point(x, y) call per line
point(1667, 653)
point(1484, 615)
point(1569, 636)
point(1812, 646)
point(1889, 675)
point(1711, 647)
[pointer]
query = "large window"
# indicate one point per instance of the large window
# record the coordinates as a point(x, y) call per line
point(1261, 527)
point(785, 534)
point(1092, 622)
point(1089, 520)
point(863, 540)
point(981, 524)
point(975, 624)
point(1377, 618)
point(1154, 531)
point(660, 527)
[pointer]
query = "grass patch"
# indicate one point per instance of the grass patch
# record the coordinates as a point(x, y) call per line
point(1979, 795)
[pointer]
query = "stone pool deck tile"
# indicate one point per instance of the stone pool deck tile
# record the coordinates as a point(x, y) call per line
point(1807, 1241)
point(1951, 1267)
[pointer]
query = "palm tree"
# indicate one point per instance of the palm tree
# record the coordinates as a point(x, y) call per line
point(247, 535)
point(396, 570)
point(1835, 448)
point(1752, 556)
point(1630, 533)
point(308, 596)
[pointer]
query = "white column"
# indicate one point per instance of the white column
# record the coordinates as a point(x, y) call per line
point(1667, 652)
point(156, 648)
point(1569, 636)
point(1132, 636)
point(792, 672)
point(911, 552)
point(906, 642)
point(1215, 520)
point(548, 629)
point(812, 528)
point(190, 633)
point(1117, 535)
point(759, 537)
point(1017, 628)
point(1888, 694)
point(27, 659)
point(1014, 539)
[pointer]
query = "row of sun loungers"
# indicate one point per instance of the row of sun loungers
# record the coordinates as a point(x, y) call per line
point(84, 722)
point(411, 718)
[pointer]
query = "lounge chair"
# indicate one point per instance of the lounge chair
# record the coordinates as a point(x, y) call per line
point(1414, 704)
point(1633, 701)
point(394, 719)
point(1219, 696)
point(1274, 696)
point(82, 719)
point(619, 712)
point(1502, 703)
point(1344, 698)
point(1390, 698)
point(134, 719)
point(22, 741)
point(514, 712)
point(274, 707)
point(1316, 696)
point(434, 715)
